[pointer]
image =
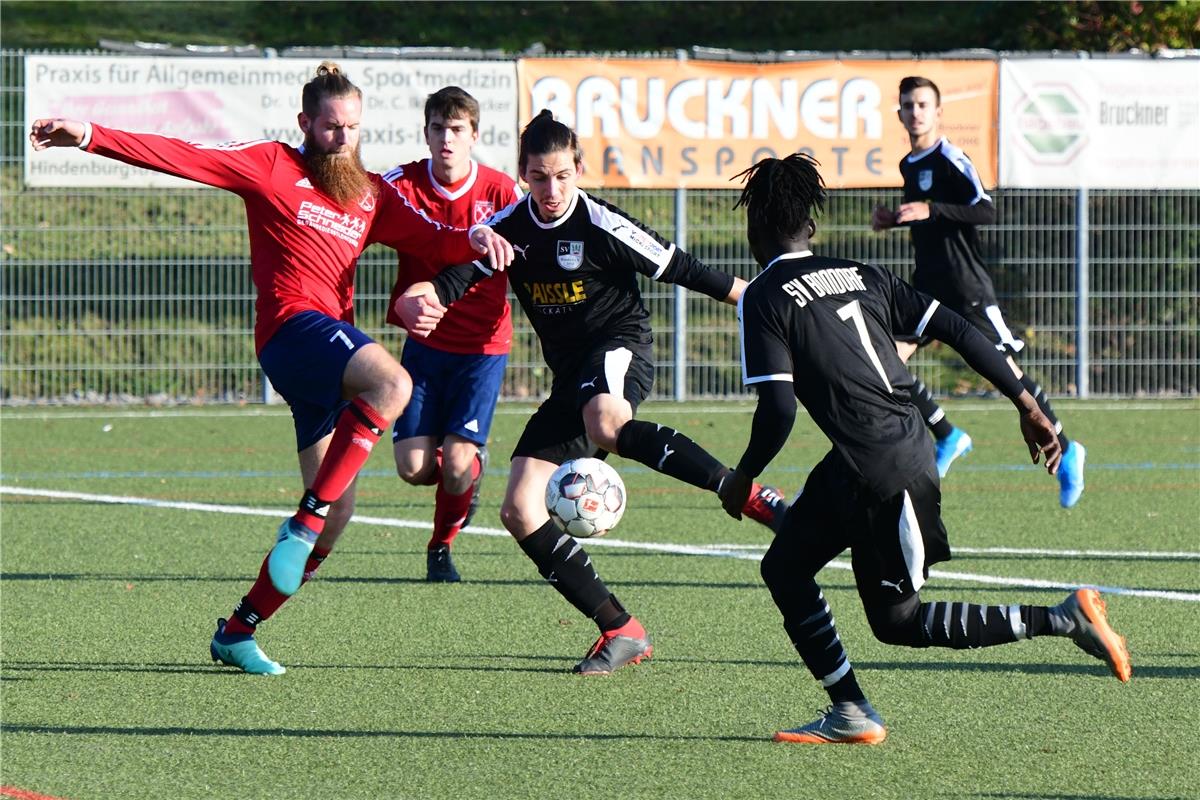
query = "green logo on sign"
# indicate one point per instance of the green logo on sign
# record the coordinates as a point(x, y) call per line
point(1051, 122)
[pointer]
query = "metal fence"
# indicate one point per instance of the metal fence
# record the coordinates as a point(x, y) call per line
point(136, 294)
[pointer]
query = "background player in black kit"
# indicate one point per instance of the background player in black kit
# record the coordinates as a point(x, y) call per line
point(943, 202)
point(575, 275)
point(822, 330)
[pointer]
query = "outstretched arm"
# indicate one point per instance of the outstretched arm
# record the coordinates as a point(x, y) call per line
point(47, 133)
point(1037, 431)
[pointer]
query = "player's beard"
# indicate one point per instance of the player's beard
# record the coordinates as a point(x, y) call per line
point(341, 176)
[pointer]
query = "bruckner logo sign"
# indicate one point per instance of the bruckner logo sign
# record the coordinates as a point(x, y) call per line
point(1119, 123)
point(1051, 122)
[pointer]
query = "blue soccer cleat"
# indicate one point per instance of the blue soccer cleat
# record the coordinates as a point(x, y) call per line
point(285, 564)
point(241, 651)
point(957, 443)
point(1070, 474)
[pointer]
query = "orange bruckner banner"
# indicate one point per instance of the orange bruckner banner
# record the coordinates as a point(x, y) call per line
point(661, 124)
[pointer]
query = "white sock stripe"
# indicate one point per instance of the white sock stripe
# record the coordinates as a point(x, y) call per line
point(1014, 619)
point(927, 623)
point(837, 674)
point(824, 612)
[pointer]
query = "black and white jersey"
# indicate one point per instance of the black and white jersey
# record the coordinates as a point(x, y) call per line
point(949, 262)
point(828, 326)
point(576, 277)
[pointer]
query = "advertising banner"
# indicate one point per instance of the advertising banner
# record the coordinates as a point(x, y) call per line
point(214, 100)
point(1118, 124)
point(657, 123)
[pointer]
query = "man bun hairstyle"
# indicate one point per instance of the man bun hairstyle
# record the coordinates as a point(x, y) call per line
point(782, 195)
point(544, 134)
point(918, 82)
point(329, 81)
point(452, 103)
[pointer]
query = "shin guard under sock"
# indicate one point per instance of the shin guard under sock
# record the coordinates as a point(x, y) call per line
point(263, 599)
point(567, 567)
point(358, 429)
point(668, 451)
point(449, 510)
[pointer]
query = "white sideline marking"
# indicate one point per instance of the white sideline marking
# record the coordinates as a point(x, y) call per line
point(652, 408)
point(1166, 555)
point(675, 549)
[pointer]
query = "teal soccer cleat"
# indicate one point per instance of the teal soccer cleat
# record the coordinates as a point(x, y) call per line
point(1070, 474)
point(241, 651)
point(958, 443)
point(285, 564)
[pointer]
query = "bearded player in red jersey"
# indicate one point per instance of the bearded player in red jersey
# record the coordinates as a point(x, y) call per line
point(457, 372)
point(311, 212)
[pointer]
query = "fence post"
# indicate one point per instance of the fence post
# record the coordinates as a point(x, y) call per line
point(680, 300)
point(1081, 292)
point(269, 395)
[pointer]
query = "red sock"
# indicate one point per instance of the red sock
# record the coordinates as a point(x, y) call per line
point(264, 599)
point(358, 429)
point(450, 510)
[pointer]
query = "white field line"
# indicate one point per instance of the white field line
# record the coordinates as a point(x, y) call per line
point(519, 409)
point(674, 549)
point(1166, 555)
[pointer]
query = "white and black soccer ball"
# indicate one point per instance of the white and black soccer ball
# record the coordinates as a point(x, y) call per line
point(585, 497)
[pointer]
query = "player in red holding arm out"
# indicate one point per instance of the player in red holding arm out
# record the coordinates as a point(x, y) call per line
point(311, 211)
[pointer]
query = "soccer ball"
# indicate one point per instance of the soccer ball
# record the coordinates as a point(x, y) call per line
point(585, 497)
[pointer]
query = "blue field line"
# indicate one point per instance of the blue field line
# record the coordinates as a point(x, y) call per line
point(626, 469)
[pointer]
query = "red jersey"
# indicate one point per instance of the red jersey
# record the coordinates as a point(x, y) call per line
point(481, 322)
point(304, 247)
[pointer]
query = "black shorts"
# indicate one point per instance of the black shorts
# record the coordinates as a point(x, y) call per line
point(555, 432)
point(893, 541)
point(988, 319)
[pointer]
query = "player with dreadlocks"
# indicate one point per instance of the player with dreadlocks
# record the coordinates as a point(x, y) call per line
point(822, 330)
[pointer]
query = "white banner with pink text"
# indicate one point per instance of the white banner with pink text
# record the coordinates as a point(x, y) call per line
point(215, 100)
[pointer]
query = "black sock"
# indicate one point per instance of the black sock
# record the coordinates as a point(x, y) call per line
point(1037, 622)
point(964, 626)
point(810, 626)
point(567, 567)
point(668, 451)
point(247, 614)
point(931, 412)
point(1044, 404)
point(611, 614)
point(846, 690)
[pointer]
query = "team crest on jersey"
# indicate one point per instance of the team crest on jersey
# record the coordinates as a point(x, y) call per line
point(570, 254)
point(925, 180)
point(483, 210)
point(367, 204)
